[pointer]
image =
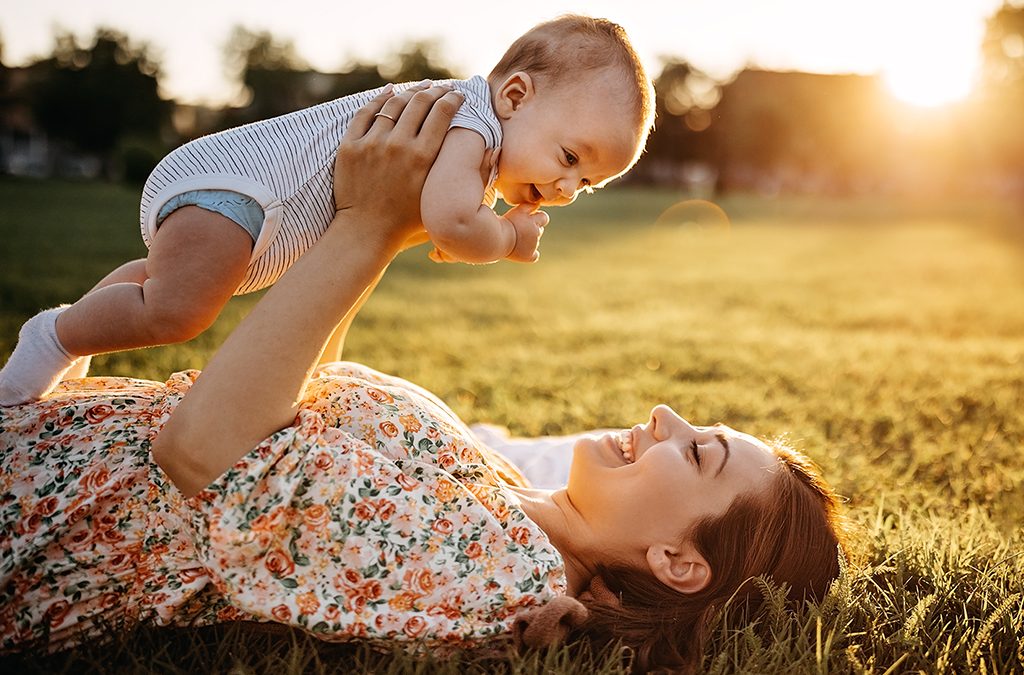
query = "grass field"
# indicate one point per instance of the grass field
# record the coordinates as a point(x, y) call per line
point(886, 340)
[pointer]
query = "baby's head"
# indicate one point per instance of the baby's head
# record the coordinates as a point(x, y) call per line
point(575, 107)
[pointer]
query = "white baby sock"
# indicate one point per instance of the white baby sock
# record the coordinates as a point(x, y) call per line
point(38, 361)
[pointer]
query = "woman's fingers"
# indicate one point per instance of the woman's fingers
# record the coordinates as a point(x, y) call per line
point(439, 117)
point(378, 150)
point(364, 117)
point(419, 107)
point(393, 110)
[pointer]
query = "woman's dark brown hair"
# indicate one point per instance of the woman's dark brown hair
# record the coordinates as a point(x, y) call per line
point(791, 534)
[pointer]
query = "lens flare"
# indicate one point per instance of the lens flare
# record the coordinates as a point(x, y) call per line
point(694, 213)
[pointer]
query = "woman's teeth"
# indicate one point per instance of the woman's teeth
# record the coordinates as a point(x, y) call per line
point(625, 439)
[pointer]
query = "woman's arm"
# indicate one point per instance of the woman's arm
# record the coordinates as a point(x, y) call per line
point(336, 345)
point(252, 385)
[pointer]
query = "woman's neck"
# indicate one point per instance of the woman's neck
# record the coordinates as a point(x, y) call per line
point(552, 511)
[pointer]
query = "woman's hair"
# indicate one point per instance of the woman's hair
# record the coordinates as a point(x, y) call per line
point(791, 534)
point(561, 49)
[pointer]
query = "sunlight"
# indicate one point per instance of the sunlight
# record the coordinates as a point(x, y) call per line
point(930, 84)
point(938, 73)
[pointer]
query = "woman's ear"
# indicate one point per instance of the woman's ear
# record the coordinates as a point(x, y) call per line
point(679, 566)
point(516, 90)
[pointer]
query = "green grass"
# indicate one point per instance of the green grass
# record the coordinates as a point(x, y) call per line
point(887, 340)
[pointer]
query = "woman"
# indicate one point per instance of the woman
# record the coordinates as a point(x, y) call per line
point(356, 505)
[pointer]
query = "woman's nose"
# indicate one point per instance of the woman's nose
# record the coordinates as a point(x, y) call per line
point(666, 421)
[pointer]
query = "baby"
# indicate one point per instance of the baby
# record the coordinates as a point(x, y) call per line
point(567, 109)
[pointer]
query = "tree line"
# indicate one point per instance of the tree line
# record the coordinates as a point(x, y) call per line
point(760, 130)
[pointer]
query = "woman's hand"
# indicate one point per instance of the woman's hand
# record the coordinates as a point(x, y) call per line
point(385, 155)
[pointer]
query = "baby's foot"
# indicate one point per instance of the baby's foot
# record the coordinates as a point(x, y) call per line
point(79, 368)
point(38, 362)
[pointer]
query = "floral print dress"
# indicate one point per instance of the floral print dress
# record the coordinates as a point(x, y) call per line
point(375, 516)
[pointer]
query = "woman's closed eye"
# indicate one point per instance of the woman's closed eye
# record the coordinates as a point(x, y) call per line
point(695, 452)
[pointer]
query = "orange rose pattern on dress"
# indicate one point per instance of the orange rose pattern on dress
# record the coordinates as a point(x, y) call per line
point(374, 516)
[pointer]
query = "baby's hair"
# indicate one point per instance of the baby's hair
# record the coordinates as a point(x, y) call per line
point(563, 47)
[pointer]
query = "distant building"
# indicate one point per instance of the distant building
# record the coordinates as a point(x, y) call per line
point(24, 148)
point(802, 132)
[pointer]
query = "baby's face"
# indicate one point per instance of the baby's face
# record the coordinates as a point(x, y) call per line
point(561, 140)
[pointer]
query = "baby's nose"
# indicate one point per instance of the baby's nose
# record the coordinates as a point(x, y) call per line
point(565, 189)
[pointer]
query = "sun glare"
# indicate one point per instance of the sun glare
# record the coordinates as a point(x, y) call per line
point(929, 85)
point(936, 74)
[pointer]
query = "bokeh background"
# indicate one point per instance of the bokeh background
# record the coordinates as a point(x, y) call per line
point(824, 241)
point(831, 98)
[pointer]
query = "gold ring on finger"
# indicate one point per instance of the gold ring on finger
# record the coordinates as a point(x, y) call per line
point(380, 114)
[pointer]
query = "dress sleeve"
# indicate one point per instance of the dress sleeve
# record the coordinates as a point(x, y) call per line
point(337, 532)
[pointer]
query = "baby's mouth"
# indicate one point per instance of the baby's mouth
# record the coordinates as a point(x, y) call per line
point(535, 195)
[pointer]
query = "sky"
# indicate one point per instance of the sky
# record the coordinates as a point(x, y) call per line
point(927, 50)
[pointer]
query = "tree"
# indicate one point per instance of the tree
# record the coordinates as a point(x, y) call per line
point(683, 131)
point(271, 72)
point(96, 96)
point(417, 61)
point(1003, 89)
point(1003, 48)
point(277, 80)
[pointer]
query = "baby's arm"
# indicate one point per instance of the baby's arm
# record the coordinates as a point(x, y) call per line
point(458, 224)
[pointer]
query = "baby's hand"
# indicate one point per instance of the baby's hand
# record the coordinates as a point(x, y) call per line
point(529, 223)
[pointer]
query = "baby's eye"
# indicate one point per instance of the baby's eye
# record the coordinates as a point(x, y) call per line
point(570, 158)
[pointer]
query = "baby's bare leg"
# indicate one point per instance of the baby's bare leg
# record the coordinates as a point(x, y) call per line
point(131, 272)
point(196, 261)
point(134, 272)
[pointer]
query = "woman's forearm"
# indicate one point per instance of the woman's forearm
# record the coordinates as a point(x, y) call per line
point(252, 385)
point(335, 347)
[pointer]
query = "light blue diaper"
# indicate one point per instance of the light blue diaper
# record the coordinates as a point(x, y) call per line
point(240, 208)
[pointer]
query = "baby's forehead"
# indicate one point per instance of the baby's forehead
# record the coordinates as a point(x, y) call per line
point(619, 109)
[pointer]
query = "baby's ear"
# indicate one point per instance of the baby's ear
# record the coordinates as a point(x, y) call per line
point(516, 90)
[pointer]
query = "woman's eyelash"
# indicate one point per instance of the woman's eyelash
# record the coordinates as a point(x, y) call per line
point(694, 452)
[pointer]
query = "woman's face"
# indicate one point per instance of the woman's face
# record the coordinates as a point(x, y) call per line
point(677, 475)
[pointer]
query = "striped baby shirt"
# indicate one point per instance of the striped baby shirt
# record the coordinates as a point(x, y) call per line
point(286, 164)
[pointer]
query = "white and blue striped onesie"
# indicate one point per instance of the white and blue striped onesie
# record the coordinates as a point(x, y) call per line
point(286, 164)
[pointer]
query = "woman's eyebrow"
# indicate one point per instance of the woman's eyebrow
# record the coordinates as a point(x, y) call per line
point(725, 446)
